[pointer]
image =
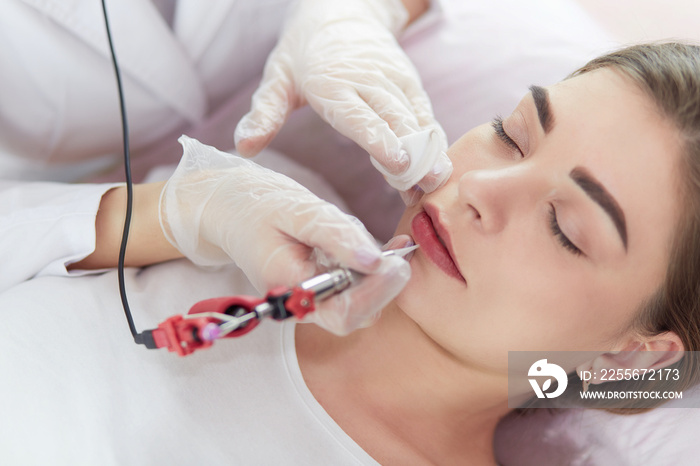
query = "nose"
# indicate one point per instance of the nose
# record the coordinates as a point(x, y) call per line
point(495, 197)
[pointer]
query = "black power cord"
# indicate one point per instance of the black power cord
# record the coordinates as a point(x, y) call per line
point(145, 338)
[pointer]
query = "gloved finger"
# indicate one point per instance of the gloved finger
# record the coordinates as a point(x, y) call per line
point(425, 152)
point(395, 108)
point(428, 164)
point(355, 119)
point(423, 111)
point(398, 242)
point(340, 237)
point(287, 265)
point(438, 174)
point(411, 196)
point(271, 105)
point(294, 247)
point(391, 106)
point(361, 305)
point(293, 263)
point(380, 122)
point(419, 103)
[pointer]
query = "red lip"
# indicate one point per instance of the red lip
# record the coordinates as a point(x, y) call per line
point(427, 232)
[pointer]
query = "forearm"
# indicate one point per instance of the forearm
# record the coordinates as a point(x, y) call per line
point(146, 245)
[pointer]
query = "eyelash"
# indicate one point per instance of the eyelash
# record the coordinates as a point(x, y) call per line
point(497, 125)
point(561, 237)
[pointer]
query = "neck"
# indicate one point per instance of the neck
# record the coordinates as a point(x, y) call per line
point(399, 394)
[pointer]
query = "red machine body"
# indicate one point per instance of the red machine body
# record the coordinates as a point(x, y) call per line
point(186, 334)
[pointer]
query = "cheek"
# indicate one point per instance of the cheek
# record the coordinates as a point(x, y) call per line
point(515, 303)
point(554, 312)
point(472, 150)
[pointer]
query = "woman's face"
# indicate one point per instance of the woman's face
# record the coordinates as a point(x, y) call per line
point(556, 229)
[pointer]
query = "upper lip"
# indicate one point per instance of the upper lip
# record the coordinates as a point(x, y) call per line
point(434, 214)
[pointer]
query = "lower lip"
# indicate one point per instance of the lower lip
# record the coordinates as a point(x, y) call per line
point(424, 234)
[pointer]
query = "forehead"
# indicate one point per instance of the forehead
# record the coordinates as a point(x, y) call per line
point(606, 123)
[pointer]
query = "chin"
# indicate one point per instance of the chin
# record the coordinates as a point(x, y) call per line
point(418, 296)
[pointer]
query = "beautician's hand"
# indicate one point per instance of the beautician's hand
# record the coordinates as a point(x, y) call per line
point(342, 58)
point(218, 208)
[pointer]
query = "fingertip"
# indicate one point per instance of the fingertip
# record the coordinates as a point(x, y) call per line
point(250, 140)
point(368, 258)
point(402, 162)
point(438, 175)
point(398, 268)
point(398, 242)
point(388, 156)
point(248, 147)
point(412, 196)
point(261, 124)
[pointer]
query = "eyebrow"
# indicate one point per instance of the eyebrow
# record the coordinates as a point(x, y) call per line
point(541, 97)
point(596, 191)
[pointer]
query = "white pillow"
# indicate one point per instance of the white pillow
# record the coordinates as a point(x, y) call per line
point(576, 437)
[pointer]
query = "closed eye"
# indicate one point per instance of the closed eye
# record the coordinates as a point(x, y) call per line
point(497, 125)
point(559, 235)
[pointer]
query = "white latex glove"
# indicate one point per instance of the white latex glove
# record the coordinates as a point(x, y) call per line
point(342, 58)
point(219, 208)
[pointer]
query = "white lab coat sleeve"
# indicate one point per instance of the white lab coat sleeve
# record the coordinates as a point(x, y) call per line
point(44, 227)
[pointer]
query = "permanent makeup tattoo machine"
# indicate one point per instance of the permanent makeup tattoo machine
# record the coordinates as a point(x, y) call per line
point(225, 317)
point(234, 316)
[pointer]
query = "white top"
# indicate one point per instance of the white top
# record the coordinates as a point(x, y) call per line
point(77, 391)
